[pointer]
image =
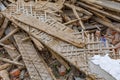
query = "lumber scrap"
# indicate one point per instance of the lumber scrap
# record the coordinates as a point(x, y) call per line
point(79, 9)
point(111, 5)
point(4, 75)
point(40, 47)
point(106, 23)
point(33, 62)
point(71, 22)
point(57, 46)
point(90, 3)
point(109, 15)
point(11, 62)
point(87, 15)
point(75, 57)
point(51, 29)
point(3, 27)
point(14, 55)
point(59, 28)
point(77, 16)
point(9, 35)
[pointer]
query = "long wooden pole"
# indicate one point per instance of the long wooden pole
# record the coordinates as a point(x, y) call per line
point(114, 17)
point(108, 24)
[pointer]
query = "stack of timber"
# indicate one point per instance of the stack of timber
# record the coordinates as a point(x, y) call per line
point(46, 25)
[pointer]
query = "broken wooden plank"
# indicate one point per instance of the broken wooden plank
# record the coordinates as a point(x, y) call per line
point(109, 15)
point(33, 62)
point(62, 33)
point(40, 47)
point(111, 5)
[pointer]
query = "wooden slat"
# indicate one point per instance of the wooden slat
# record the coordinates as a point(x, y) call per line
point(109, 15)
point(111, 5)
point(52, 30)
point(33, 62)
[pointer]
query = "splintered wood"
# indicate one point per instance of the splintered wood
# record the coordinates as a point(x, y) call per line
point(34, 64)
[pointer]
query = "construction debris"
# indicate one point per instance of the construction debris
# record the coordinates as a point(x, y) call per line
point(57, 39)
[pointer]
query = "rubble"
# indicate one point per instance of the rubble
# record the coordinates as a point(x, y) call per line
point(56, 39)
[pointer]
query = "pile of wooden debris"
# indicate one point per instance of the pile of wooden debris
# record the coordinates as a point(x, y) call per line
point(56, 39)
